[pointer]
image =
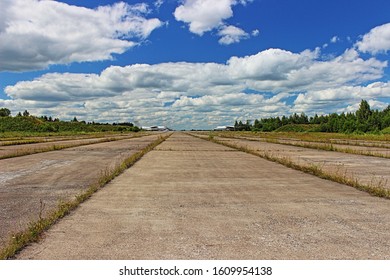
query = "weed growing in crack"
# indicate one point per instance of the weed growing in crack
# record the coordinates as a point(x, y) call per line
point(36, 228)
point(376, 190)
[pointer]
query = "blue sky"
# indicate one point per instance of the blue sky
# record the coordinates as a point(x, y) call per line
point(192, 63)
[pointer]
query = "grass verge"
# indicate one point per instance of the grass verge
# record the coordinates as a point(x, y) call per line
point(326, 146)
point(54, 138)
point(30, 151)
point(375, 189)
point(365, 140)
point(32, 234)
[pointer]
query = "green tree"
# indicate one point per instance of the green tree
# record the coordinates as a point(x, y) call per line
point(315, 119)
point(374, 122)
point(284, 120)
point(364, 112)
point(385, 117)
point(303, 119)
point(247, 126)
point(4, 112)
point(236, 125)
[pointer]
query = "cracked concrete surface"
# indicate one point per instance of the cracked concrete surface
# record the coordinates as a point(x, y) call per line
point(54, 176)
point(193, 199)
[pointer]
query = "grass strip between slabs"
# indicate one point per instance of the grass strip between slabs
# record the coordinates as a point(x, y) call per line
point(330, 147)
point(37, 140)
point(325, 146)
point(32, 234)
point(316, 145)
point(374, 190)
point(19, 153)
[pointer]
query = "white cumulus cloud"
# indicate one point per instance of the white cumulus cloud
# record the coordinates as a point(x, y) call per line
point(255, 33)
point(334, 39)
point(35, 34)
point(158, 3)
point(339, 98)
point(231, 34)
point(206, 15)
point(376, 41)
point(202, 95)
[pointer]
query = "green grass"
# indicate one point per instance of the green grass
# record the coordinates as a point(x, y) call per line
point(32, 234)
point(22, 135)
point(32, 124)
point(298, 128)
point(386, 130)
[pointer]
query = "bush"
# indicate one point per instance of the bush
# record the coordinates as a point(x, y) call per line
point(386, 130)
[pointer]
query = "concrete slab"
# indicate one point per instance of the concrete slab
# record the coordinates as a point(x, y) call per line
point(366, 169)
point(54, 176)
point(23, 149)
point(192, 199)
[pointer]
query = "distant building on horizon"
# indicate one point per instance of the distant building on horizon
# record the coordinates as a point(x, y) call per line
point(156, 128)
point(224, 128)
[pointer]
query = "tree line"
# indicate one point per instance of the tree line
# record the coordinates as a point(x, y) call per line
point(364, 120)
point(28, 123)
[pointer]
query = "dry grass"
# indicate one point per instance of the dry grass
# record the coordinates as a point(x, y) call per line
point(328, 145)
point(366, 140)
point(375, 188)
point(36, 228)
point(56, 147)
point(45, 137)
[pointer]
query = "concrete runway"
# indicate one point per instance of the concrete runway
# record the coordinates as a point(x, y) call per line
point(193, 199)
point(368, 170)
point(54, 176)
